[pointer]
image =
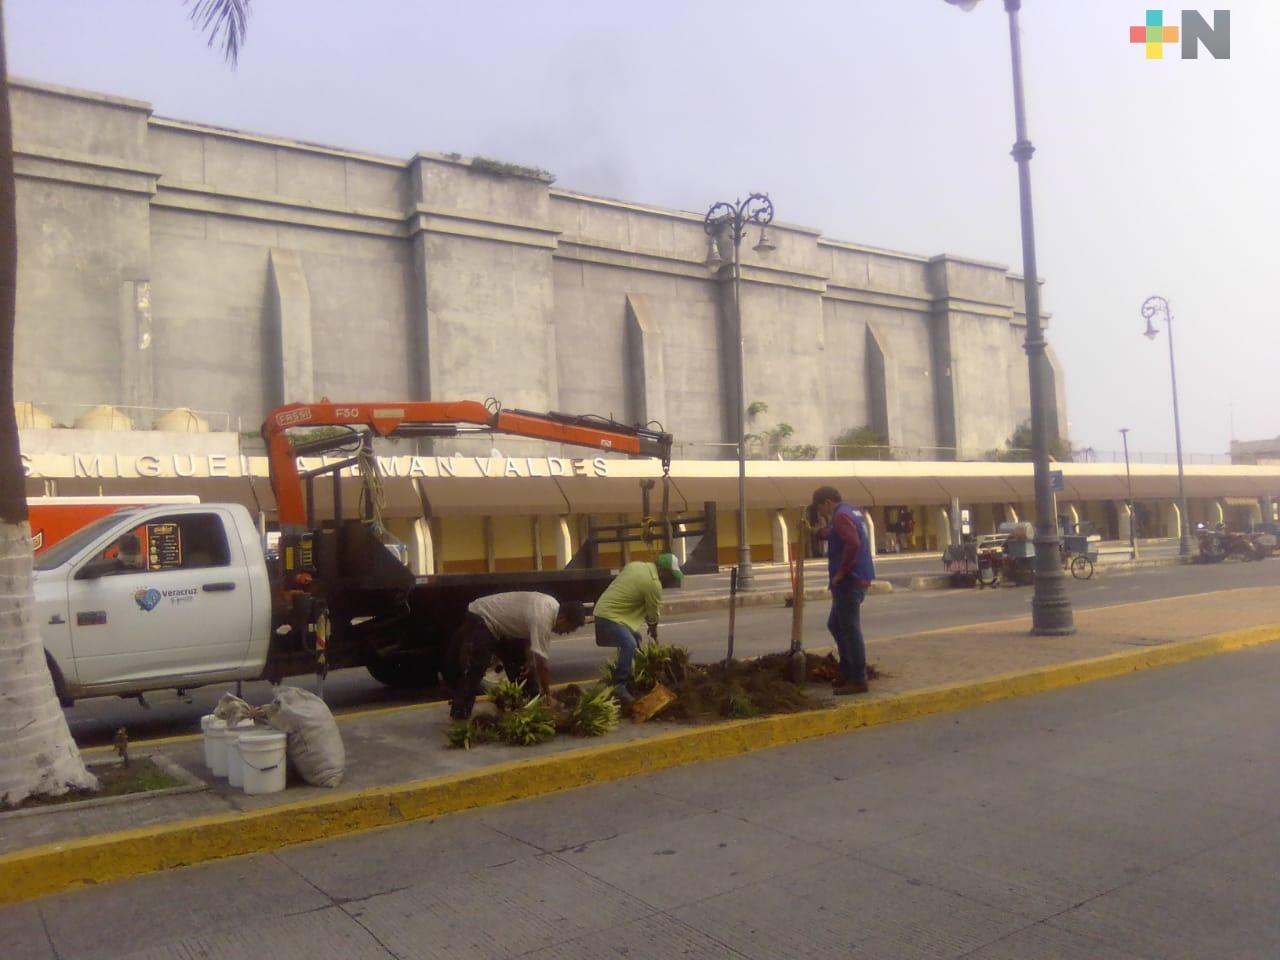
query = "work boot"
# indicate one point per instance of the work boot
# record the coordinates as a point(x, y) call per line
point(625, 700)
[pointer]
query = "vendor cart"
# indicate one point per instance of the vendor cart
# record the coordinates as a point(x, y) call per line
point(1080, 553)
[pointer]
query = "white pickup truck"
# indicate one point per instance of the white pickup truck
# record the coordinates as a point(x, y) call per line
point(180, 596)
point(155, 597)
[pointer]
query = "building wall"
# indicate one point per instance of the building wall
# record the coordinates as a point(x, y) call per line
point(167, 264)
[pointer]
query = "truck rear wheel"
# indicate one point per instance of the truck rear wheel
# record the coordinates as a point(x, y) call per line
point(403, 672)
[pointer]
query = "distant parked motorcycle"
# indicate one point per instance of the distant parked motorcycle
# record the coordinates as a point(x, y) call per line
point(1218, 544)
point(1266, 535)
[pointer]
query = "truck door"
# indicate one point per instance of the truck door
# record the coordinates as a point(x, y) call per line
point(174, 600)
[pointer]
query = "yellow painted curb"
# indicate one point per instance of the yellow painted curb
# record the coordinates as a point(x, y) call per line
point(54, 868)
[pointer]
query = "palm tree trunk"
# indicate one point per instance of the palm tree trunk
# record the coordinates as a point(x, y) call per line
point(37, 754)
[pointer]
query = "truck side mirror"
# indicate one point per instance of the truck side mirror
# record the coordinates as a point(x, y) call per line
point(98, 568)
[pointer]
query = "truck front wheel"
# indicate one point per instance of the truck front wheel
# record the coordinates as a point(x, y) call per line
point(403, 672)
point(59, 684)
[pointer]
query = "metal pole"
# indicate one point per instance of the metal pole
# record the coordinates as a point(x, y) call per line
point(1184, 521)
point(1050, 607)
point(1128, 479)
point(1150, 307)
point(758, 209)
point(744, 547)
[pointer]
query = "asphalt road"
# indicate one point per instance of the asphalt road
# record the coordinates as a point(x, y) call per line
point(1125, 819)
point(759, 630)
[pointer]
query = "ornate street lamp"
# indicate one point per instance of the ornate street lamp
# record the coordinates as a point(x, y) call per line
point(1151, 308)
point(731, 220)
point(1050, 606)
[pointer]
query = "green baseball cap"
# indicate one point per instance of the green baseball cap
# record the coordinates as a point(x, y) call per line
point(668, 561)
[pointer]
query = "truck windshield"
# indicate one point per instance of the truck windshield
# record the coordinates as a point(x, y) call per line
point(64, 550)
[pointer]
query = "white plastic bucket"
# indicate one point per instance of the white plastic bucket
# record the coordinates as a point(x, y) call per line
point(215, 746)
point(207, 719)
point(235, 768)
point(262, 756)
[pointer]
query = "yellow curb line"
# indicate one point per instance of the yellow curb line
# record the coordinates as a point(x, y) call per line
point(54, 868)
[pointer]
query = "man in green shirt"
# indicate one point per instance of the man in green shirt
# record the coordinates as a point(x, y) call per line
point(634, 598)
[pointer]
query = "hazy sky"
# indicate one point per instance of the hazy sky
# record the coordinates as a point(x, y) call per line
point(884, 122)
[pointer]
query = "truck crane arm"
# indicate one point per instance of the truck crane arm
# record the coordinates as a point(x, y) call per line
point(439, 419)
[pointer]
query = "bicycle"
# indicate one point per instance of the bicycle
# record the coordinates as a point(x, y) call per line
point(1080, 564)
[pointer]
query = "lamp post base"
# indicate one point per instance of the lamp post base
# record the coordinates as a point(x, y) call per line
point(1051, 618)
point(745, 579)
point(1051, 614)
point(1185, 547)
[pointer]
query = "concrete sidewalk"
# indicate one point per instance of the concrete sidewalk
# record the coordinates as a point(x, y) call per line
point(902, 571)
point(399, 768)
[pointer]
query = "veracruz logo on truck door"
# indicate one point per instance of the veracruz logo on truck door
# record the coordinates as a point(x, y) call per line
point(148, 598)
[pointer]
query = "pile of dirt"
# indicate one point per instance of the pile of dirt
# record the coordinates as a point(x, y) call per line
point(707, 692)
point(568, 696)
point(745, 688)
point(818, 669)
point(749, 688)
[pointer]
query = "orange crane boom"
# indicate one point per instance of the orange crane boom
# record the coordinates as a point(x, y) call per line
point(438, 419)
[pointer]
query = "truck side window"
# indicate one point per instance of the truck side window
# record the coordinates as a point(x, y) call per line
point(189, 542)
point(204, 542)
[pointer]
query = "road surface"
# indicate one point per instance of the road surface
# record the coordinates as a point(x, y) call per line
point(1128, 818)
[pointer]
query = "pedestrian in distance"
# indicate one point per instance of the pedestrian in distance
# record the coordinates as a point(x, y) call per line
point(515, 627)
point(851, 571)
point(817, 532)
point(634, 598)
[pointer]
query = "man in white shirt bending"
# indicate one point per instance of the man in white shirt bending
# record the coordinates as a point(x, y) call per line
point(516, 627)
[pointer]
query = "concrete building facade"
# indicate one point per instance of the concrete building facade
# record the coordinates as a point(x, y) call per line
point(165, 264)
point(1256, 451)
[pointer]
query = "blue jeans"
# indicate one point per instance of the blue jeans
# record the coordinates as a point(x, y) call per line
point(610, 633)
point(845, 624)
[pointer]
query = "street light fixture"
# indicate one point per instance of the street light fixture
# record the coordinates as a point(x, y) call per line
point(1128, 479)
point(1050, 606)
point(733, 219)
point(1151, 308)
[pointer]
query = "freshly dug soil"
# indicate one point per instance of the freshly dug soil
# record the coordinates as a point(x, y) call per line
point(749, 688)
point(746, 689)
point(709, 692)
point(817, 669)
point(569, 696)
point(114, 780)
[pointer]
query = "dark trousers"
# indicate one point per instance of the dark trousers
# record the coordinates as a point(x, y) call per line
point(610, 633)
point(845, 624)
point(471, 650)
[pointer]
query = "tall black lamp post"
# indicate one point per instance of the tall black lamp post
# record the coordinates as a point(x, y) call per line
point(1050, 606)
point(732, 219)
point(1153, 307)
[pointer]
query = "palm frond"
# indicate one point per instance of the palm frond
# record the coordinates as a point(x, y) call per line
point(225, 23)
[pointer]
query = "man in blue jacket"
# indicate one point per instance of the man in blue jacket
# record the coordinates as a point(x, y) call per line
point(851, 571)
